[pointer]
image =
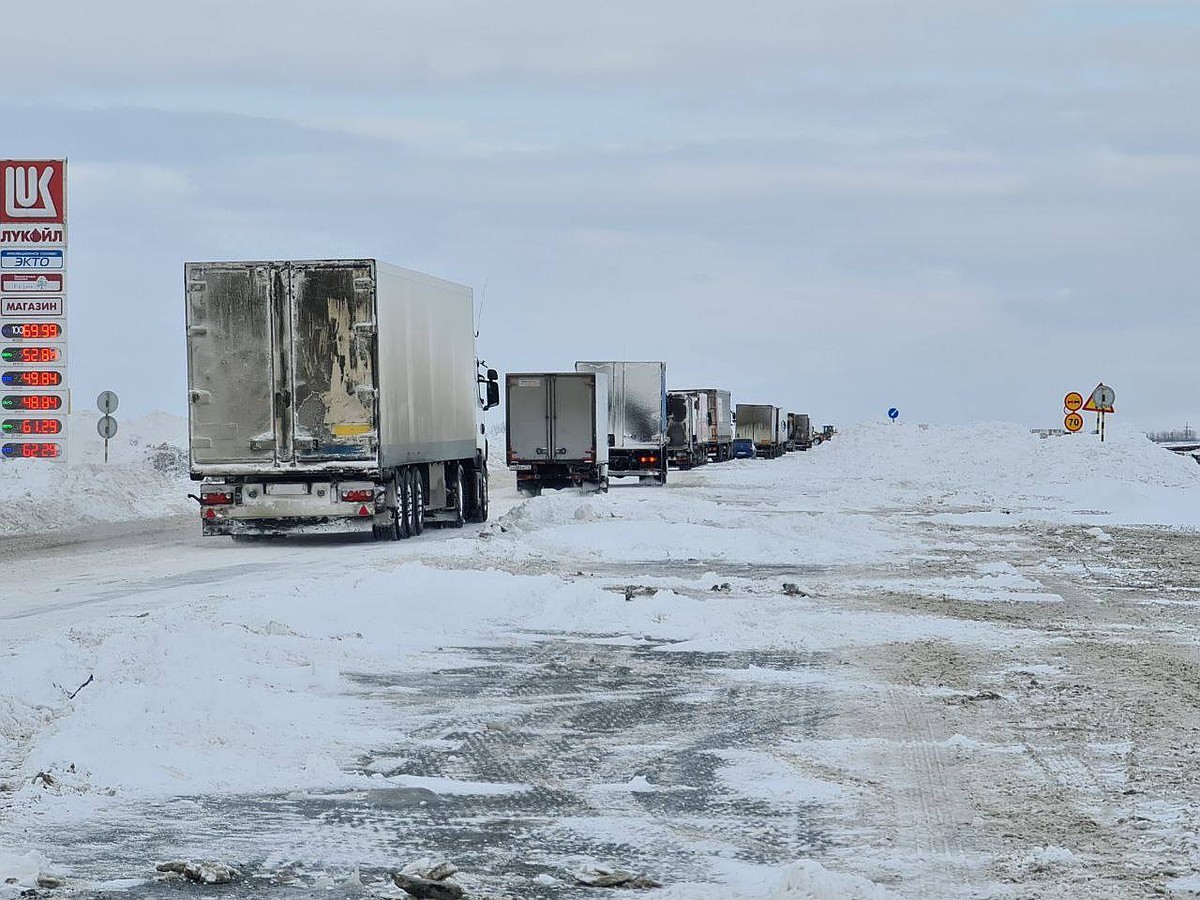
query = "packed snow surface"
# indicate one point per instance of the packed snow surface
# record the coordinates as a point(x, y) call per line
point(294, 670)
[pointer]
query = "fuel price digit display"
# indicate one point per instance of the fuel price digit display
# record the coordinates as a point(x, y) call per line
point(32, 378)
point(34, 355)
point(32, 402)
point(33, 331)
point(31, 426)
point(30, 450)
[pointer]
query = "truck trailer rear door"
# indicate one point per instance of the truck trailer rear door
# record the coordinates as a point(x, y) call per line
point(333, 408)
point(529, 417)
point(236, 327)
point(574, 422)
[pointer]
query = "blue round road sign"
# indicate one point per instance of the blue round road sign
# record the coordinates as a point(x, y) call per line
point(893, 413)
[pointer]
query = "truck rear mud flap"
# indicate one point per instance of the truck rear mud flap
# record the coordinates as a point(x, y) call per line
point(286, 526)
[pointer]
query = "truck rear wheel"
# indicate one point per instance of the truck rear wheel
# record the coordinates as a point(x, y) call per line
point(394, 499)
point(457, 484)
point(405, 489)
point(418, 501)
point(478, 509)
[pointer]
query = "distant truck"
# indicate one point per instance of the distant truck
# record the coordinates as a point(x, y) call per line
point(637, 418)
point(333, 396)
point(717, 426)
point(557, 430)
point(687, 415)
point(800, 436)
point(759, 422)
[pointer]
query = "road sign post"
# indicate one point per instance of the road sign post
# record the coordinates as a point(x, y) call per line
point(1101, 403)
point(893, 414)
point(107, 426)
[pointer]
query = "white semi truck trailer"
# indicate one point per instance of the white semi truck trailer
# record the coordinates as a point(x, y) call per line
point(717, 430)
point(333, 396)
point(637, 418)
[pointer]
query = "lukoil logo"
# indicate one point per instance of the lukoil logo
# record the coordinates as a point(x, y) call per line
point(33, 191)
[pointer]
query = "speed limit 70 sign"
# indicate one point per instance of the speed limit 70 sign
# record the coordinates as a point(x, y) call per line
point(1073, 422)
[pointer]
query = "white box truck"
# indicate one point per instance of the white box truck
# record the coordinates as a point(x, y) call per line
point(687, 413)
point(557, 430)
point(637, 418)
point(333, 396)
point(717, 430)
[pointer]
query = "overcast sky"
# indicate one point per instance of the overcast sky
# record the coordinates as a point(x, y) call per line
point(962, 208)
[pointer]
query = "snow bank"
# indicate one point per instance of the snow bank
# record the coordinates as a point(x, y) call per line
point(145, 478)
point(1000, 471)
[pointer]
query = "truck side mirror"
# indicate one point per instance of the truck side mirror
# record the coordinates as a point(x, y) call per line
point(612, 439)
point(493, 394)
point(493, 375)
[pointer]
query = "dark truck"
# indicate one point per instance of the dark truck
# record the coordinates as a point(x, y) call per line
point(759, 422)
point(800, 434)
point(687, 415)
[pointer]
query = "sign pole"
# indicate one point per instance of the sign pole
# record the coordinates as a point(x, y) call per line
point(107, 426)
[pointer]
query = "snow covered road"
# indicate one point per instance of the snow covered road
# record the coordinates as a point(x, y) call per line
point(954, 663)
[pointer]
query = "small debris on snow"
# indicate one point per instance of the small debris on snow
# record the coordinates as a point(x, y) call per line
point(602, 877)
point(1048, 859)
point(634, 590)
point(430, 880)
point(724, 587)
point(425, 889)
point(793, 590)
point(209, 873)
point(175, 867)
point(45, 880)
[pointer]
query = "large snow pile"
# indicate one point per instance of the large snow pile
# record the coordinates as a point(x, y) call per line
point(1002, 470)
point(145, 478)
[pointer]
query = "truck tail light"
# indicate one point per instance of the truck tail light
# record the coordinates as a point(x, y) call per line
point(358, 496)
point(216, 498)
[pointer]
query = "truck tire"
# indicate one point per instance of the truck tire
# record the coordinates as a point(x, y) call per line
point(457, 483)
point(478, 510)
point(404, 493)
point(394, 497)
point(418, 505)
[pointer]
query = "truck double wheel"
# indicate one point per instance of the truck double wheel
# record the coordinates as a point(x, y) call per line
point(406, 500)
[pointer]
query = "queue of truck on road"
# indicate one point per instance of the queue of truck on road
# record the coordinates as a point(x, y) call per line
point(346, 395)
